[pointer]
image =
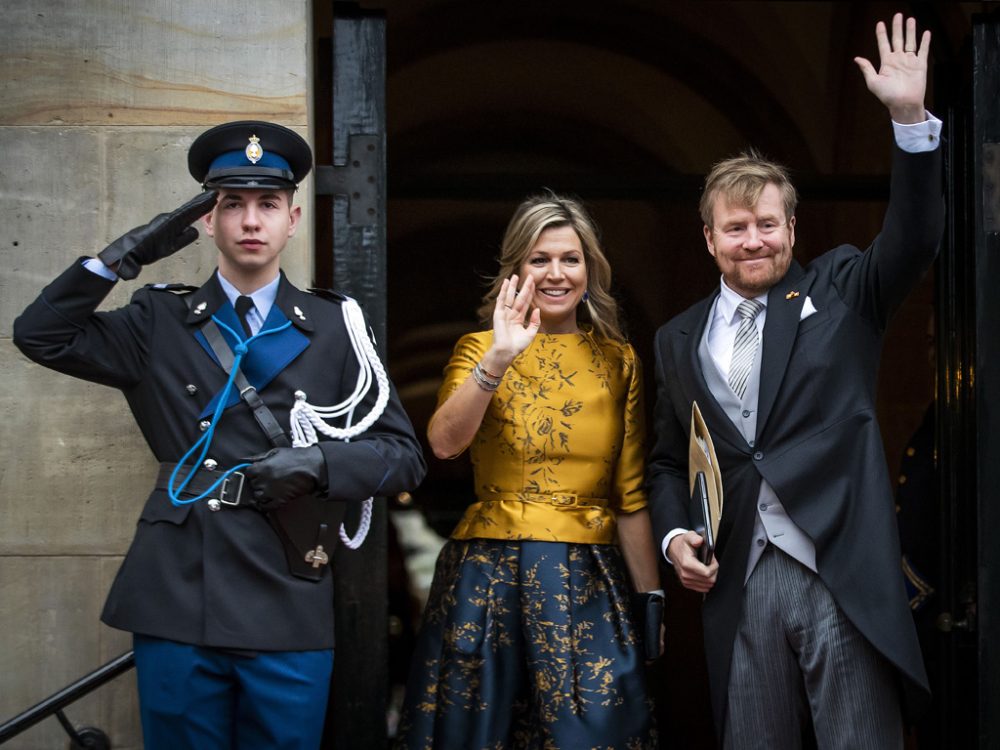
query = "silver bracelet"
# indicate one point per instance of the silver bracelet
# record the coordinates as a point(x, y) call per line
point(489, 374)
point(483, 380)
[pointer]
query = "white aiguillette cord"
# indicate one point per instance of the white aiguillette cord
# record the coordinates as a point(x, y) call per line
point(306, 420)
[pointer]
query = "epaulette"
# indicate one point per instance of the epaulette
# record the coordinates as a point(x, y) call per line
point(328, 294)
point(175, 288)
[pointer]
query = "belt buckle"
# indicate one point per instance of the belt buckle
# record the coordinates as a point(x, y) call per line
point(225, 491)
point(563, 499)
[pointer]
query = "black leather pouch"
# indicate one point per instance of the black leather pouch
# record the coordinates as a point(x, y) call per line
point(307, 527)
point(647, 615)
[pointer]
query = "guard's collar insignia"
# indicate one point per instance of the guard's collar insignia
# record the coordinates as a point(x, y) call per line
point(253, 150)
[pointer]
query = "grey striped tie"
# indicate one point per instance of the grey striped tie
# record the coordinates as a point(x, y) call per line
point(745, 346)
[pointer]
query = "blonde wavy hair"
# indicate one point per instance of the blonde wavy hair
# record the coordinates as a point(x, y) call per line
point(546, 211)
point(741, 179)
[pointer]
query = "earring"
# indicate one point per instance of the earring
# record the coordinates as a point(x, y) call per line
point(586, 296)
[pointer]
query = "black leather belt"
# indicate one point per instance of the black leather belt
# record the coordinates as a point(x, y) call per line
point(233, 492)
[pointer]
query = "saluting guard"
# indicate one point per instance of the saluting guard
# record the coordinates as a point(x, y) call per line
point(267, 409)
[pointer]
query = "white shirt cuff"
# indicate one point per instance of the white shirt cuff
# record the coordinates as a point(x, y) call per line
point(669, 538)
point(919, 136)
point(94, 265)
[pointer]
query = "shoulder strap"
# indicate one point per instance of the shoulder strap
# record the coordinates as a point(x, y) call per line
point(178, 289)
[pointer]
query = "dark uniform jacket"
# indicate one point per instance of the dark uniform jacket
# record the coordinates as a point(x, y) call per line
point(217, 578)
point(817, 442)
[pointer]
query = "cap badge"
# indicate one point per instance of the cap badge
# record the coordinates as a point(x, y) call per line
point(253, 150)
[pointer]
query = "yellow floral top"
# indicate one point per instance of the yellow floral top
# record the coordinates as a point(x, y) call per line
point(560, 449)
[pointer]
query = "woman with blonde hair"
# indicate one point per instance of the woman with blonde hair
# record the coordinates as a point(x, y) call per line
point(527, 639)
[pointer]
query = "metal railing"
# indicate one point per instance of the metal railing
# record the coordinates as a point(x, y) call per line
point(90, 738)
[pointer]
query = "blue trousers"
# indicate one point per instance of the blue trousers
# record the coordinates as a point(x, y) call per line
point(204, 698)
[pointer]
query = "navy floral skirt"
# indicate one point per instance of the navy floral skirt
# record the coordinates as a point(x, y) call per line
point(527, 645)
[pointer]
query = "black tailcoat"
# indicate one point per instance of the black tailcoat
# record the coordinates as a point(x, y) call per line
point(216, 578)
point(817, 441)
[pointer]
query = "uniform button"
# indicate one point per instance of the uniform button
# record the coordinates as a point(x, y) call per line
point(762, 506)
point(191, 389)
point(746, 413)
point(761, 542)
point(758, 456)
point(204, 425)
point(902, 478)
point(210, 464)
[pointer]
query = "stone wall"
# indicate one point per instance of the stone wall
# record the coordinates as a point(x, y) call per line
point(99, 100)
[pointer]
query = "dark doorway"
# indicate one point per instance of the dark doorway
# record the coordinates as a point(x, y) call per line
point(626, 105)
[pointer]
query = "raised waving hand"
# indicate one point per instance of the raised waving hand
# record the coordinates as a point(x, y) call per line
point(901, 80)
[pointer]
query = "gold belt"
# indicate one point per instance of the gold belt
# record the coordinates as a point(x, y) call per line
point(564, 499)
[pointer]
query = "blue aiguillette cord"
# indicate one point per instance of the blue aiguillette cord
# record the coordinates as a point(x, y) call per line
point(206, 440)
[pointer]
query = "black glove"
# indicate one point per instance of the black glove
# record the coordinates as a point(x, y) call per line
point(647, 616)
point(283, 474)
point(163, 236)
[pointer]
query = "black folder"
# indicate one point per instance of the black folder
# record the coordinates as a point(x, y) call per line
point(701, 518)
point(705, 482)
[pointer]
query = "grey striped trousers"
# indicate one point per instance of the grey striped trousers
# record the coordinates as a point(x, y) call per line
point(802, 675)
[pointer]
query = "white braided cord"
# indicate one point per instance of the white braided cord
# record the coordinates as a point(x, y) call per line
point(306, 420)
